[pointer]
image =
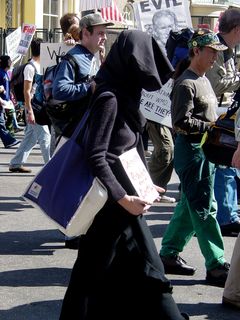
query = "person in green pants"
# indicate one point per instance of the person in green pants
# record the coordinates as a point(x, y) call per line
point(193, 110)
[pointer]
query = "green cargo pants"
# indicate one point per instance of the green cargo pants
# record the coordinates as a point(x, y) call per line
point(196, 210)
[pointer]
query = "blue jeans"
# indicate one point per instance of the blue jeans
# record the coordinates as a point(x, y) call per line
point(34, 134)
point(225, 189)
point(5, 135)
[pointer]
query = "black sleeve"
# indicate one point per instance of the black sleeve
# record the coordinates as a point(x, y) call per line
point(102, 121)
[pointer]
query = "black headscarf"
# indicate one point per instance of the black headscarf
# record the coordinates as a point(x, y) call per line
point(135, 62)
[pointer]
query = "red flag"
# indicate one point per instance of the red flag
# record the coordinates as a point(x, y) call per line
point(112, 13)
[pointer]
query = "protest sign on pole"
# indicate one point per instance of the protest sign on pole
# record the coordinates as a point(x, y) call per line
point(156, 105)
point(159, 17)
point(12, 42)
point(49, 53)
point(28, 31)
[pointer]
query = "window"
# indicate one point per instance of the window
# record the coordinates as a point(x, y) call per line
point(51, 13)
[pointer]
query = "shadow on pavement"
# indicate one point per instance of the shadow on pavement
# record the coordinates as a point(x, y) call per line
point(40, 277)
point(38, 242)
point(34, 311)
point(18, 204)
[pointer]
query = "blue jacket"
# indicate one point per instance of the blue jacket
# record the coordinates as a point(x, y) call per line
point(4, 81)
point(64, 87)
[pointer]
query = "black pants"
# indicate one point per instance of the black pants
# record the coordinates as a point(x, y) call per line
point(118, 273)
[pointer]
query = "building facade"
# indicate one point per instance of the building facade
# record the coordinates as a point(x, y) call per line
point(45, 14)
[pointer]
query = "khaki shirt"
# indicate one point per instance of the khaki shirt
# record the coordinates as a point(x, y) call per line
point(224, 77)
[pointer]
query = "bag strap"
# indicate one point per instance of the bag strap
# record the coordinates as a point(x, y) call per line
point(77, 134)
point(80, 133)
point(35, 69)
point(70, 58)
point(232, 109)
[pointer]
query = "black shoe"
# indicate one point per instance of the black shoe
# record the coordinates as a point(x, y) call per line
point(218, 276)
point(12, 144)
point(72, 243)
point(18, 129)
point(231, 229)
point(185, 315)
point(20, 169)
point(176, 265)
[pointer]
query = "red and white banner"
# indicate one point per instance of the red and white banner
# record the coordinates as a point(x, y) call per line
point(109, 9)
point(112, 13)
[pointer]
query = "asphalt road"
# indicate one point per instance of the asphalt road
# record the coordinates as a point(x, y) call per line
point(35, 267)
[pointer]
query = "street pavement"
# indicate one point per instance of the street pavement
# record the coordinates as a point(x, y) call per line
point(35, 267)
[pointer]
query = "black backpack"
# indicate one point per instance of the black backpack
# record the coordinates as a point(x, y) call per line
point(17, 81)
point(64, 115)
point(177, 39)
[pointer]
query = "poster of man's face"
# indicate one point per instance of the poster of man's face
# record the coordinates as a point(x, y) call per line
point(158, 22)
point(163, 22)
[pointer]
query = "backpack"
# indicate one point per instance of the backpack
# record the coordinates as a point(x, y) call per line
point(38, 103)
point(63, 113)
point(177, 45)
point(17, 81)
point(219, 143)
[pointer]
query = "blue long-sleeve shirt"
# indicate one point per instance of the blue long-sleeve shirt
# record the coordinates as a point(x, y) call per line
point(64, 86)
point(5, 82)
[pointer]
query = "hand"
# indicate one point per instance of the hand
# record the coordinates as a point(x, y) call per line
point(209, 125)
point(70, 42)
point(30, 117)
point(134, 204)
point(2, 90)
point(159, 190)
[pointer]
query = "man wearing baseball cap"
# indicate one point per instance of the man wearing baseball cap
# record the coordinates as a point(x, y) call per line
point(92, 20)
point(193, 110)
point(76, 89)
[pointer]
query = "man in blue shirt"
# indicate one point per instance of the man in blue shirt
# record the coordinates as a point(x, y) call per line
point(92, 33)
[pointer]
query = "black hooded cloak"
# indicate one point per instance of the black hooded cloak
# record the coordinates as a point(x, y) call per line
point(118, 273)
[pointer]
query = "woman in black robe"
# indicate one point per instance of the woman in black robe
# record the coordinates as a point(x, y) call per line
point(118, 273)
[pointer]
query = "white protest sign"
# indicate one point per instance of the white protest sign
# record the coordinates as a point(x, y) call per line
point(49, 53)
point(138, 175)
point(12, 42)
point(158, 18)
point(156, 105)
point(28, 31)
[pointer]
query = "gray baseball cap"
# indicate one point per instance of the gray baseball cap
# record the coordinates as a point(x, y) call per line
point(94, 19)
